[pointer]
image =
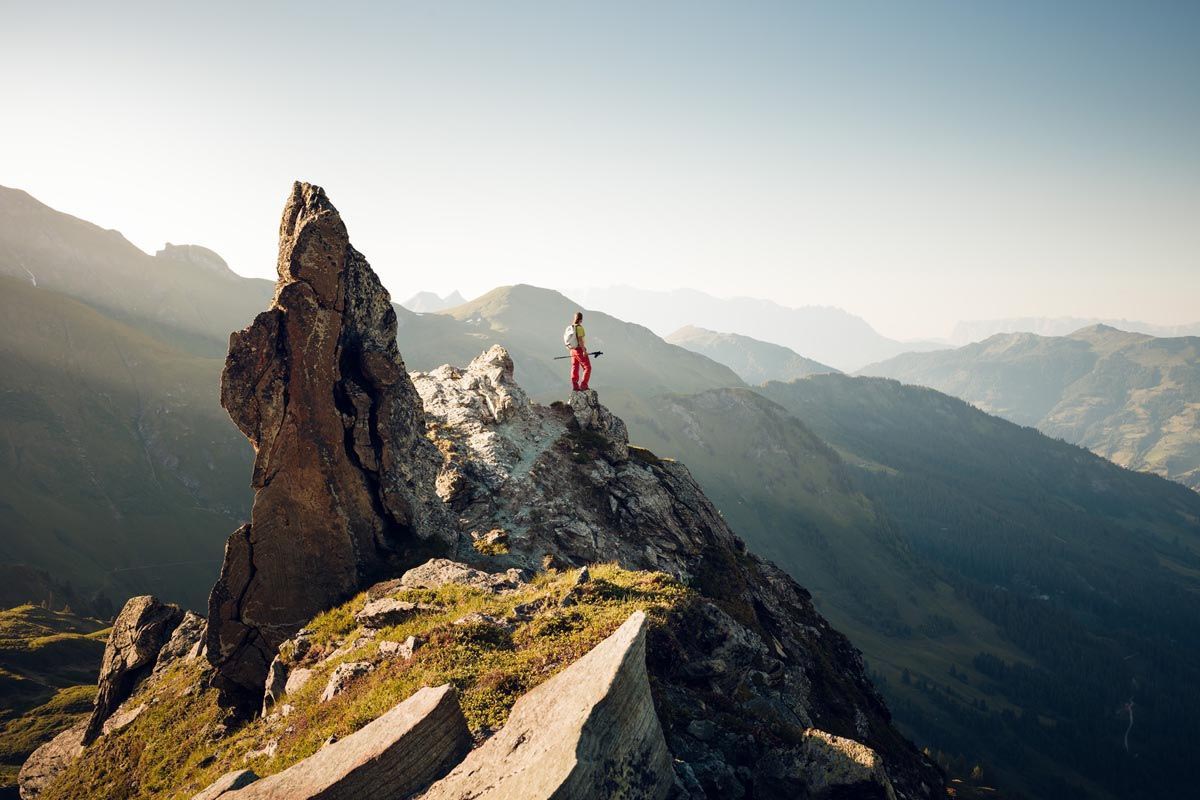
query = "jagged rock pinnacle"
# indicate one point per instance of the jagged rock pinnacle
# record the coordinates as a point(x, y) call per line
point(343, 473)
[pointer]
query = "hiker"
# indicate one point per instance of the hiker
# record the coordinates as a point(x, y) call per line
point(573, 338)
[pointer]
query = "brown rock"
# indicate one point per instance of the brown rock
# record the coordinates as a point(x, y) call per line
point(45, 763)
point(343, 474)
point(394, 756)
point(590, 731)
point(138, 634)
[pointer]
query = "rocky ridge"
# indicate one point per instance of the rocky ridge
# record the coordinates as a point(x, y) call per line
point(361, 471)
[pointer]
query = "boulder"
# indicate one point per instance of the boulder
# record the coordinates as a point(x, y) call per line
point(45, 763)
point(138, 635)
point(343, 473)
point(296, 679)
point(184, 641)
point(227, 783)
point(342, 676)
point(438, 572)
point(388, 611)
point(394, 756)
point(828, 761)
point(590, 731)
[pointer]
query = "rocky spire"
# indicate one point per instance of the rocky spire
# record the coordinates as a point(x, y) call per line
point(343, 473)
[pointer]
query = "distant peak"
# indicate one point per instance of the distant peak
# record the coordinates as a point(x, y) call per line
point(195, 255)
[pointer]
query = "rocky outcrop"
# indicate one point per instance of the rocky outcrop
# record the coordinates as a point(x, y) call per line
point(590, 731)
point(343, 473)
point(740, 675)
point(138, 635)
point(393, 756)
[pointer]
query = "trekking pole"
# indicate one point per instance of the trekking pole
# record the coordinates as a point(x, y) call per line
point(593, 355)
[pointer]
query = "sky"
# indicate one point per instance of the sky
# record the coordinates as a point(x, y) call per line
point(915, 163)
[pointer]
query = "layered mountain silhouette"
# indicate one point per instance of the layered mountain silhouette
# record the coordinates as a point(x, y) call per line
point(754, 361)
point(428, 302)
point(970, 331)
point(826, 334)
point(1130, 397)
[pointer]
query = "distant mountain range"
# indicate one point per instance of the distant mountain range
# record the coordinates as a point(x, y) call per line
point(754, 361)
point(1132, 398)
point(827, 335)
point(428, 302)
point(978, 330)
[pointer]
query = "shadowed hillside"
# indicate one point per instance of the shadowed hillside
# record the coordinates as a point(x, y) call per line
point(1089, 568)
point(1129, 397)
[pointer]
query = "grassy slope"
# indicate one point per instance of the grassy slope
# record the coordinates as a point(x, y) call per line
point(1131, 398)
point(114, 452)
point(1089, 568)
point(48, 666)
point(168, 751)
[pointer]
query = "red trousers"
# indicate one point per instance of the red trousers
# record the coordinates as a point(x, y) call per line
point(580, 360)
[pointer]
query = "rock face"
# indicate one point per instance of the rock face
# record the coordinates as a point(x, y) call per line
point(138, 634)
point(393, 756)
point(741, 675)
point(590, 731)
point(343, 474)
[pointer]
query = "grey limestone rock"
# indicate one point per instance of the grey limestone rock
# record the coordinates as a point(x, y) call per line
point(590, 731)
point(394, 756)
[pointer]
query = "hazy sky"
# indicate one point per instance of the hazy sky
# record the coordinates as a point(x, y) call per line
point(914, 163)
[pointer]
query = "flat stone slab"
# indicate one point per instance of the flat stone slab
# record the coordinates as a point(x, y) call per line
point(589, 732)
point(227, 783)
point(394, 756)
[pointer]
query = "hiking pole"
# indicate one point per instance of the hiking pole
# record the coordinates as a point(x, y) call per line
point(593, 355)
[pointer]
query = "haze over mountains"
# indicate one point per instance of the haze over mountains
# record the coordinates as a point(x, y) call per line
point(752, 360)
point(970, 331)
point(1007, 575)
point(828, 335)
point(1132, 398)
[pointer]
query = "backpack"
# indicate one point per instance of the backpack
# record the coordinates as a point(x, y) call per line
point(570, 339)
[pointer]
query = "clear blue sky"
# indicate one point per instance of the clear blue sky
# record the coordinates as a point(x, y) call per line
point(916, 163)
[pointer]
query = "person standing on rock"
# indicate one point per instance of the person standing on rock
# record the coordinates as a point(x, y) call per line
point(574, 339)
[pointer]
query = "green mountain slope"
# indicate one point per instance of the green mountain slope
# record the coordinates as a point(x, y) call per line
point(119, 470)
point(185, 296)
point(753, 360)
point(49, 661)
point(1132, 398)
point(1092, 570)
